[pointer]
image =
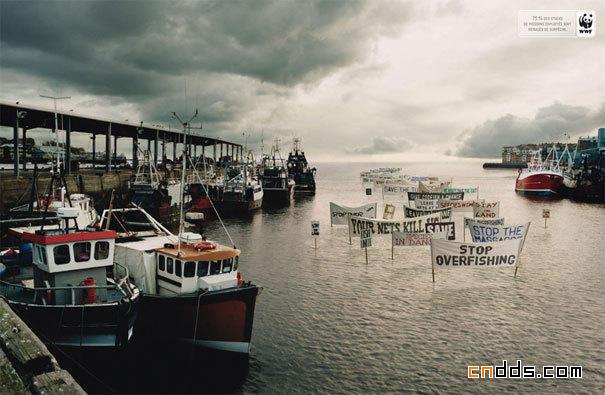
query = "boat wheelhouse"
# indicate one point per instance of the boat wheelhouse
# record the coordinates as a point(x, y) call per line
point(72, 295)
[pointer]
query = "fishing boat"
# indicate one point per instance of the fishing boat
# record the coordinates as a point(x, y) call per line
point(159, 196)
point(192, 289)
point(46, 206)
point(300, 172)
point(73, 295)
point(541, 177)
point(278, 187)
point(241, 191)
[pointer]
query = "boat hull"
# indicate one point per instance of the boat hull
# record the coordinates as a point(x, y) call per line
point(277, 195)
point(542, 184)
point(98, 326)
point(220, 320)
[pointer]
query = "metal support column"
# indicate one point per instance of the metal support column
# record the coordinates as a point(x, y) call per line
point(24, 148)
point(108, 148)
point(214, 152)
point(221, 151)
point(135, 149)
point(115, 152)
point(68, 146)
point(94, 150)
point(174, 150)
point(163, 147)
point(16, 147)
point(155, 148)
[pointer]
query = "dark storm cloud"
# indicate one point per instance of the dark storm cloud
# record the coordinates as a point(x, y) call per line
point(549, 124)
point(283, 42)
point(230, 54)
point(383, 145)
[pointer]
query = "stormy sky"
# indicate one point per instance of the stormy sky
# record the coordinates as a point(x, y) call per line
point(355, 80)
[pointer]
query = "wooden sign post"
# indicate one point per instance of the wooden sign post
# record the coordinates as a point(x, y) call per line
point(545, 215)
point(315, 231)
point(366, 241)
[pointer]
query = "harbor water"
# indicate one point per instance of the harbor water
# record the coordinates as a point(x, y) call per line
point(328, 322)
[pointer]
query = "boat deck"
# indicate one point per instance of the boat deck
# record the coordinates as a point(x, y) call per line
point(20, 288)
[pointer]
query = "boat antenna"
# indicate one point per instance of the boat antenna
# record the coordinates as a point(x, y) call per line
point(186, 125)
point(54, 99)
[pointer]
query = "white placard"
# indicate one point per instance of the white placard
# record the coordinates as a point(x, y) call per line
point(386, 227)
point(486, 210)
point(314, 228)
point(339, 214)
point(447, 254)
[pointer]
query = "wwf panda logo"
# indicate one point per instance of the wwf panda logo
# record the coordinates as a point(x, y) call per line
point(586, 20)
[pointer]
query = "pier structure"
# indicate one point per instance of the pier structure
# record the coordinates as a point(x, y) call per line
point(23, 118)
point(26, 364)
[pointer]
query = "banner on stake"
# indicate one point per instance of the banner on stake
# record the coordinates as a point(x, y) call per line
point(427, 204)
point(449, 228)
point(339, 214)
point(408, 212)
point(403, 239)
point(461, 189)
point(484, 221)
point(435, 195)
point(447, 254)
point(386, 227)
point(482, 233)
point(486, 209)
point(459, 205)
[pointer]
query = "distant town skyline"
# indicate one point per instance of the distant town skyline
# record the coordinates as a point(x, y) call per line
point(355, 80)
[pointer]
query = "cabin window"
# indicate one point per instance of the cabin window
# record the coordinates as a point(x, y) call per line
point(101, 250)
point(169, 265)
point(178, 268)
point(227, 264)
point(82, 251)
point(189, 269)
point(202, 268)
point(215, 267)
point(41, 255)
point(162, 263)
point(236, 262)
point(61, 254)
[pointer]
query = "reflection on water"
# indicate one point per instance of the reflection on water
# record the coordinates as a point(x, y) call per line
point(327, 322)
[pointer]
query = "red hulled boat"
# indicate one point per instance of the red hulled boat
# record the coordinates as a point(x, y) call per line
point(542, 177)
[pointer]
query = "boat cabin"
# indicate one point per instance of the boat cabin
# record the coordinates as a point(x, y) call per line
point(71, 258)
point(192, 269)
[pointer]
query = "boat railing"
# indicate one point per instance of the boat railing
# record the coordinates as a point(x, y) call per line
point(41, 295)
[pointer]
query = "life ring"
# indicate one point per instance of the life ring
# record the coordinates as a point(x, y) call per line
point(204, 245)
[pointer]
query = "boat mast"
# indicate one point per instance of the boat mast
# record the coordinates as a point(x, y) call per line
point(55, 98)
point(186, 126)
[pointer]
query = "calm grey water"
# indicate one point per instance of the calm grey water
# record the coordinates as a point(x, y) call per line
point(327, 322)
